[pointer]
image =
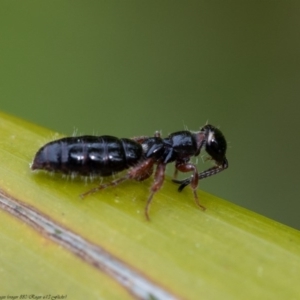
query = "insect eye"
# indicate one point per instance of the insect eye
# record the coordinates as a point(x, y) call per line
point(216, 144)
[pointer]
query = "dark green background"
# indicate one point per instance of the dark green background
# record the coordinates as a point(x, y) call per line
point(129, 68)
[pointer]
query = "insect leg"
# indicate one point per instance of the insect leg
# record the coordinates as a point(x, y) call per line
point(158, 181)
point(104, 186)
point(140, 172)
point(193, 180)
point(175, 174)
point(211, 171)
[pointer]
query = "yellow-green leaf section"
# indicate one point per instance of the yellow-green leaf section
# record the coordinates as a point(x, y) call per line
point(225, 252)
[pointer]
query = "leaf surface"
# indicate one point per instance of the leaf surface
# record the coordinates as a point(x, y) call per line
point(48, 235)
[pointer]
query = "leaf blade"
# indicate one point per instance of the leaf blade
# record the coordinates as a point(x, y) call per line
point(226, 251)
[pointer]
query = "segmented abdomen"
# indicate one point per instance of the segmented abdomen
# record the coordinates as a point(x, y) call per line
point(88, 155)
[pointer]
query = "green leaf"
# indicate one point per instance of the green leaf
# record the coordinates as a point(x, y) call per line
point(55, 243)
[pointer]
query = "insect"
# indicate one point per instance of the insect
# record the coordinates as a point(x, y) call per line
point(107, 155)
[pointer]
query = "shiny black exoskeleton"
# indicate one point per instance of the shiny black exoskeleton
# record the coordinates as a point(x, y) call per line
point(88, 155)
point(107, 155)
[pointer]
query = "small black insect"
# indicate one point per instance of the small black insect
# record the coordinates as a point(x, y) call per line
point(108, 155)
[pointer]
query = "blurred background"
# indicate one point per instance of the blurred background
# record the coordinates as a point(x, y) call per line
point(128, 68)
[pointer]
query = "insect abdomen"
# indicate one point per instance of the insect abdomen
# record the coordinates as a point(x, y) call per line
point(88, 155)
